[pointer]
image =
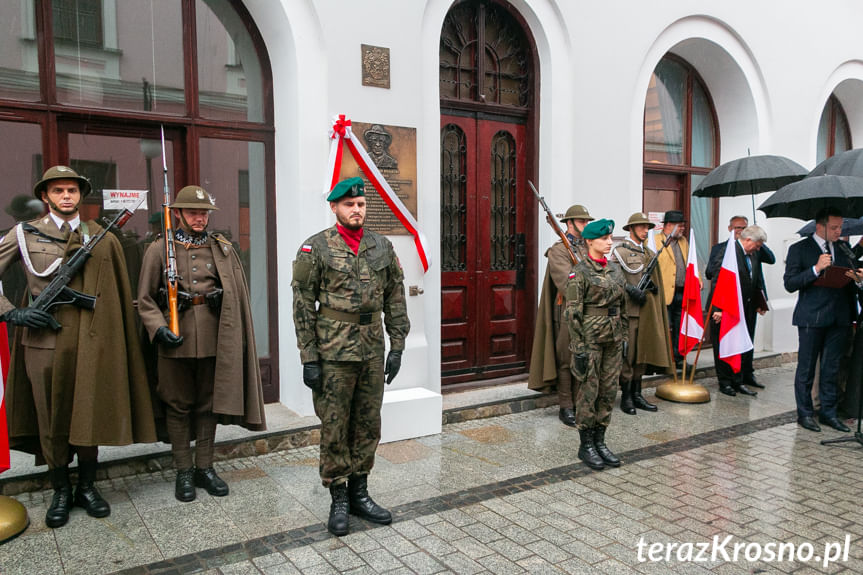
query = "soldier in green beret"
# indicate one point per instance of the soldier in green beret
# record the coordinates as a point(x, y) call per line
point(344, 278)
point(598, 330)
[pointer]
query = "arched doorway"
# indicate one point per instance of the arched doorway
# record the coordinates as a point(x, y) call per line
point(90, 83)
point(488, 86)
point(834, 135)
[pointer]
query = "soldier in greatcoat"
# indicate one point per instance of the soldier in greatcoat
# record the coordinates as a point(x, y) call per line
point(598, 331)
point(549, 366)
point(85, 385)
point(648, 322)
point(209, 372)
point(344, 278)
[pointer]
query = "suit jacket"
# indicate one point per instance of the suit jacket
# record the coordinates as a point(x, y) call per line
point(717, 253)
point(750, 284)
point(667, 265)
point(817, 306)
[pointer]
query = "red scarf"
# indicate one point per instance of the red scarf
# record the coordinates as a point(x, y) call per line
point(351, 237)
point(603, 262)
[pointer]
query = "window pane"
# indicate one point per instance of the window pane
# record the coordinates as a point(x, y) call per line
point(19, 59)
point(21, 166)
point(229, 74)
point(823, 134)
point(703, 137)
point(234, 173)
point(664, 120)
point(125, 54)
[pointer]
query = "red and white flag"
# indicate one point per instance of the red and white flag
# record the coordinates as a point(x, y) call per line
point(734, 337)
point(691, 321)
point(4, 371)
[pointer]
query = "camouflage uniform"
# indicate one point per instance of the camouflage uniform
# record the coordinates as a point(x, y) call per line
point(598, 326)
point(346, 335)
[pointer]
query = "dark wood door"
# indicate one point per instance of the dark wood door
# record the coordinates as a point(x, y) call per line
point(486, 312)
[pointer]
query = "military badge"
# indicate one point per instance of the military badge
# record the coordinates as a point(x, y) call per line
point(199, 193)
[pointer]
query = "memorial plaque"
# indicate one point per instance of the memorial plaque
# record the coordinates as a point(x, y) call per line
point(376, 66)
point(393, 149)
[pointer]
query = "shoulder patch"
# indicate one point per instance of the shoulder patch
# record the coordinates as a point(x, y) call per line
point(571, 275)
point(306, 248)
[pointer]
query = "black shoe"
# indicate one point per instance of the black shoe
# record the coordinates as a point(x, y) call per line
point(809, 423)
point(184, 486)
point(339, 508)
point(587, 450)
point(602, 449)
point(61, 503)
point(835, 423)
point(567, 416)
point(726, 389)
point(362, 505)
point(626, 405)
point(208, 479)
point(741, 388)
point(638, 399)
point(86, 494)
point(753, 383)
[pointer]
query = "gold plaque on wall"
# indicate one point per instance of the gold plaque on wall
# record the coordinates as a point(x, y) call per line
point(376, 66)
point(393, 149)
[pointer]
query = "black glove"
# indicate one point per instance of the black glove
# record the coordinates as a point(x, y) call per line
point(625, 350)
point(28, 317)
point(636, 294)
point(393, 365)
point(313, 376)
point(167, 338)
point(579, 360)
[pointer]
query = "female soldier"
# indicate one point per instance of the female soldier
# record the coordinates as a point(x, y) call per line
point(598, 329)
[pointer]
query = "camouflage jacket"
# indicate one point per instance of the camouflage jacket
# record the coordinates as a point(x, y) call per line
point(326, 271)
point(590, 290)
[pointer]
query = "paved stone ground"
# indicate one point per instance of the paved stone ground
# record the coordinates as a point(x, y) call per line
point(501, 495)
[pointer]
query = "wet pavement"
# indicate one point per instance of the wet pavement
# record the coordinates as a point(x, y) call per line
point(503, 495)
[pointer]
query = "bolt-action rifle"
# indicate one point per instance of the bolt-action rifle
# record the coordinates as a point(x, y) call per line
point(171, 277)
point(58, 292)
point(549, 217)
point(645, 281)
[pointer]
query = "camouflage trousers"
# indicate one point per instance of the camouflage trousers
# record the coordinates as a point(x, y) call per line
point(349, 407)
point(595, 396)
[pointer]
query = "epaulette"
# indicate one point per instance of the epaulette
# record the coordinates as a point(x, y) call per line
point(221, 239)
point(27, 227)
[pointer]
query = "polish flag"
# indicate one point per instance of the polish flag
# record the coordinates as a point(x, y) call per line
point(691, 321)
point(4, 371)
point(734, 338)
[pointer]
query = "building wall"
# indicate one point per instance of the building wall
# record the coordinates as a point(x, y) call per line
point(769, 67)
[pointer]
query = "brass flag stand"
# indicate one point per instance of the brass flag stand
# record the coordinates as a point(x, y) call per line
point(13, 518)
point(683, 391)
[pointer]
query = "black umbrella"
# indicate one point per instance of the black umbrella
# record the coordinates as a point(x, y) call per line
point(848, 163)
point(801, 200)
point(850, 227)
point(749, 176)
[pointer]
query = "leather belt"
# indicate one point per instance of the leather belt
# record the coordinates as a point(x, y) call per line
point(365, 318)
point(198, 300)
point(600, 311)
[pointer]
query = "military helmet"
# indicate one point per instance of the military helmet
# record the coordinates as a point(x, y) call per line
point(61, 173)
point(638, 218)
point(194, 198)
point(576, 212)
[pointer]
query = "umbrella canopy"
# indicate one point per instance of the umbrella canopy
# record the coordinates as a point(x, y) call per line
point(848, 163)
point(801, 200)
point(850, 227)
point(750, 175)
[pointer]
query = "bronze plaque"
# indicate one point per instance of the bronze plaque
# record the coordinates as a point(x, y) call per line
point(393, 149)
point(376, 66)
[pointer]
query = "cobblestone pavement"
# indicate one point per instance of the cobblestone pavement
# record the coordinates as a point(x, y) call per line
point(503, 495)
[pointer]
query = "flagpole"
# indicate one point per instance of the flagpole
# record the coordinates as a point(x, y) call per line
point(701, 341)
point(671, 356)
point(684, 314)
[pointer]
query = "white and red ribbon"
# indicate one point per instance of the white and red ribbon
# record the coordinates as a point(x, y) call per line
point(341, 132)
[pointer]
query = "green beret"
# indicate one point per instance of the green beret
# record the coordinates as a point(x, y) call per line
point(351, 188)
point(597, 229)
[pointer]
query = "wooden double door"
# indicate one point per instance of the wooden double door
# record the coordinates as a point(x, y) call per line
point(487, 281)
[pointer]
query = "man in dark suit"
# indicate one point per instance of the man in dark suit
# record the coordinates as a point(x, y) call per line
point(823, 316)
point(748, 247)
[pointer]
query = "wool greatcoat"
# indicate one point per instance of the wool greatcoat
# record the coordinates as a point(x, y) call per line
point(98, 387)
point(237, 395)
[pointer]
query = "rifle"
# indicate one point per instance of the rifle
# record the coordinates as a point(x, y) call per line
point(58, 292)
point(171, 276)
point(644, 282)
point(549, 217)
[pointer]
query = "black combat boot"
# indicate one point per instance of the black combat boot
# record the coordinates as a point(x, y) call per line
point(208, 479)
point(61, 503)
point(362, 504)
point(86, 495)
point(638, 399)
point(626, 405)
point(587, 450)
point(567, 416)
point(339, 508)
point(184, 486)
point(602, 449)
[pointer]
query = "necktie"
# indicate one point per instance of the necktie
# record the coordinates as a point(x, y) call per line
point(65, 230)
point(828, 248)
point(748, 264)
